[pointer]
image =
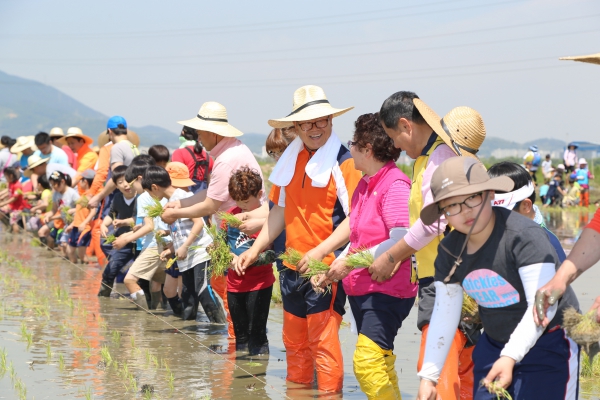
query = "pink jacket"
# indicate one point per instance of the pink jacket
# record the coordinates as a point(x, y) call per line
point(367, 229)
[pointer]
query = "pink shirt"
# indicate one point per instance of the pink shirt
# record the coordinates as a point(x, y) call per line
point(230, 155)
point(420, 235)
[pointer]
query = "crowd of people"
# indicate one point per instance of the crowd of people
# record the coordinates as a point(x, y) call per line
point(568, 184)
point(453, 232)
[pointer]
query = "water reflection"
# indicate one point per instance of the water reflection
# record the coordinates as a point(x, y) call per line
point(567, 224)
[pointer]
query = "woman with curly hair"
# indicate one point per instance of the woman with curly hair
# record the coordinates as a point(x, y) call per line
point(379, 219)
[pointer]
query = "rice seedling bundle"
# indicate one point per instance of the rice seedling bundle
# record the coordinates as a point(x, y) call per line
point(155, 209)
point(315, 267)
point(590, 369)
point(497, 390)
point(65, 212)
point(291, 256)
point(470, 309)
point(159, 239)
point(220, 256)
point(360, 258)
point(583, 329)
point(110, 238)
point(229, 219)
point(83, 201)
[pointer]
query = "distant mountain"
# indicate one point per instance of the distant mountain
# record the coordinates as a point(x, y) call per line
point(502, 147)
point(27, 107)
point(255, 141)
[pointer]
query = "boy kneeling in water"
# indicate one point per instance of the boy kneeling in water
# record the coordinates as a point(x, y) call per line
point(500, 259)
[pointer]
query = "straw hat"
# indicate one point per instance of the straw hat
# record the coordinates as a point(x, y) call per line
point(75, 132)
point(582, 161)
point(23, 142)
point(462, 129)
point(179, 174)
point(58, 132)
point(212, 117)
point(309, 103)
point(131, 136)
point(459, 176)
point(33, 161)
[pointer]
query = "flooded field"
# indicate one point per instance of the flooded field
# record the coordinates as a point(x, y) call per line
point(59, 340)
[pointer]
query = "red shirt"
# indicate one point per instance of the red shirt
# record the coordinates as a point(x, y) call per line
point(256, 277)
point(183, 156)
point(70, 157)
point(20, 203)
point(595, 223)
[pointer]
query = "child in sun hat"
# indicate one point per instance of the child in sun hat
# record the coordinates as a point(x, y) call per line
point(121, 217)
point(79, 230)
point(583, 176)
point(189, 242)
point(248, 290)
point(64, 198)
point(500, 259)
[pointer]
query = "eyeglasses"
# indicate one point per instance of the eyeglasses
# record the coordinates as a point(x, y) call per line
point(307, 126)
point(352, 143)
point(456, 208)
point(274, 154)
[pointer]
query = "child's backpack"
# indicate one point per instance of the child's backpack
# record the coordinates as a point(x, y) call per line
point(537, 159)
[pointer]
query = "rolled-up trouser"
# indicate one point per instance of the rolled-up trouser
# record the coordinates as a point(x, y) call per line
point(378, 317)
point(116, 261)
point(196, 289)
point(311, 322)
point(249, 313)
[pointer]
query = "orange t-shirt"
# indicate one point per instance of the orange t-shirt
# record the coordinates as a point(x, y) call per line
point(81, 214)
point(595, 223)
point(312, 213)
point(102, 170)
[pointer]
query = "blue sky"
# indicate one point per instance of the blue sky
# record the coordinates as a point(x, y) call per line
point(157, 62)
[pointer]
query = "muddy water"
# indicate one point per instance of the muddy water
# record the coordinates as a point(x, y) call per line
point(71, 328)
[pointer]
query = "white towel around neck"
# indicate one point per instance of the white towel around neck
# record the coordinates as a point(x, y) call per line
point(318, 168)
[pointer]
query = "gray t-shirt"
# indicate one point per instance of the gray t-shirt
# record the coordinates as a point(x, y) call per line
point(68, 198)
point(123, 152)
point(491, 274)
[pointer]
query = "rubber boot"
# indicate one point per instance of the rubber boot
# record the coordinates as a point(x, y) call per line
point(105, 289)
point(156, 299)
point(371, 369)
point(176, 306)
point(140, 300)
point(390, 362)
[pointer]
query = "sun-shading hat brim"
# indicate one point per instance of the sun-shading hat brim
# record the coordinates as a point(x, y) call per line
point(219, 127)
point(431, 213)
point(308, 113)
point(183, 182)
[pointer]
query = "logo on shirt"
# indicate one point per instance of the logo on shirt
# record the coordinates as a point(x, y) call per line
point(242, 240)
point(489, 289)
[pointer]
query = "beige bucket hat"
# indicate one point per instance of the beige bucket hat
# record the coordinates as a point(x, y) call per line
point(58, 132)
point(33, 161)
point(309, 103)
point(75, 132)
point(23, 142)
point(459, 176)
point(212, 117)
point(462, 129)
point(131, 136)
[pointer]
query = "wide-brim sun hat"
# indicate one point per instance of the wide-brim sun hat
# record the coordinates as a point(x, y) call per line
point(309, 103)
point(582, 161)
point(462, 129)
point(533, 148)
point(75, 132)
point(131, 136)
point(33, 161)
point(57, 132)
point(212, 117)
point(459, 176)
point(23, 143)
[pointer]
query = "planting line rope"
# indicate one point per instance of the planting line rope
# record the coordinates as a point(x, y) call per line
point(167, 323)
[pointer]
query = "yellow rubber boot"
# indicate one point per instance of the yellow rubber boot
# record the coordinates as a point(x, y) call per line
point(371, 370)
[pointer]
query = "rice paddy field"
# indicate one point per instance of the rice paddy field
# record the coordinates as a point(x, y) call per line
point(59, 340)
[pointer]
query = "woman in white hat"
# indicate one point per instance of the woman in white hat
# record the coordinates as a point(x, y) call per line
point(80, 144)
point(25, 146)
point(218, 137)
point(583, 176)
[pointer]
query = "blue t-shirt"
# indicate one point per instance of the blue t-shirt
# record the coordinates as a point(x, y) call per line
point(23, 165)
point(148, 241)
point(57, 156)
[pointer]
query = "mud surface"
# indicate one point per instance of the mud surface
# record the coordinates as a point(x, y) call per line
point(60, 337)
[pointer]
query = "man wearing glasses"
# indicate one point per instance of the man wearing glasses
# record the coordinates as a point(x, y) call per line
point(313, 185)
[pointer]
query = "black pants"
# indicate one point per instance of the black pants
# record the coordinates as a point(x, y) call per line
point(117, 259)
point(196, 289)
point(249, 313)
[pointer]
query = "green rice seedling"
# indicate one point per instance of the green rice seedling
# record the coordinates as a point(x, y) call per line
point(29, 339)
point(253, 364)
point(106, 356)
point(229, 219)
point(291, 256)
point(315, 267)
point(48, 350)
point(497, 390)
point(470, 309)
point(155, 209)
point(132, 341)
point(361, 258)
point(160, 241)
point(11, 371)
point(147, 355)
point(3, 365)
point(83, 201)
point(67, 216)
point(133, 383)
point(20, 388)
point(589, 370)
point(61, 362)
point(23, 330)
point(154, 361)
point(35, 242)
point(87, 392)
point(124, 371)
point(110, 238)
point(116, 337)
point(103, 324)
point(220, 256)
point(583, 329)
point(171, 380)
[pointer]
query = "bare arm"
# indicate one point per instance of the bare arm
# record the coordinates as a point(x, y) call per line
point(108, 189)
point(207, 207)
point(270, 231)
